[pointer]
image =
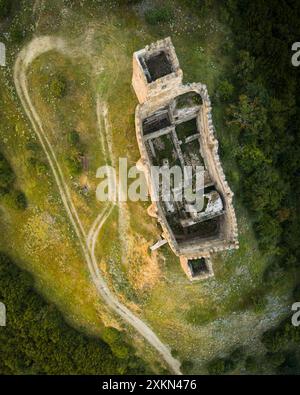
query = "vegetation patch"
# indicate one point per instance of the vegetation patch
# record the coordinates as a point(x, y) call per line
point(8, 191)
point(37, 340)
point(159, 15)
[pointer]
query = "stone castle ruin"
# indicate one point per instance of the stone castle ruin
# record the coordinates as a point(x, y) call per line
point(174, 127)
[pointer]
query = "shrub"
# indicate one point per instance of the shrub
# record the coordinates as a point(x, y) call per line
point(20, 200)
point(33, 147)
point(73, 137)
point(111, 335)
point(225, 365)
point(251, 364)
point(58, 87)
point(252, 299)
point(17, 34)
point(17, 200)
point(216, 366)
point(158, 15)
point(279, 338)
point(186, 366)
point(120, 350)
point(5, 7)
point(74, 164)
point(225, 90)
point(291, 364)
point(115, 339)
point(39, 166)
point(237, 355)
point(275, 359)
point(7, 176)
point(296, 293)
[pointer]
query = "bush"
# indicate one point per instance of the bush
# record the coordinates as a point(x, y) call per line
point(121, 350)
point(16, 200)
point(5, 7)
point(238, 355)
point(217, 366)
point(291, 364)
point(252, 365)
point(74, 164)
point(186, 366)
point(111, 335)
point(281, 337)
point(221, 366)
point(115, 339)
point(225, 90)
point(226, 365)
point(7, 176)
point(39, 166)
point(58, 87)
point(17, 34)
point(296, 293)
point(74, 138)
point(252, 299)
point(20, 200)
point(275, 359)
point(34, 162)
point(33, 147)
point(158, 15)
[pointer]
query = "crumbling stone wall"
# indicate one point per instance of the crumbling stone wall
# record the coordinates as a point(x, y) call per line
point(155, 95)
point(144, 90)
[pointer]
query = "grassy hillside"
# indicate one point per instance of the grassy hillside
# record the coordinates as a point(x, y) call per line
point(199, 321)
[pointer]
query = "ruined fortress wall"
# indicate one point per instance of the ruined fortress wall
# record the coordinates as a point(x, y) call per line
point(146, 91)
point(145, 164)
point(209, 151)
point(209, 148)
point(187, 270)
point(139, 81)
point(160, 87)
point(156, 95)
point(167, 83)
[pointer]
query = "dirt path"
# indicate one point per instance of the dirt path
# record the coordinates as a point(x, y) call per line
point(35, 48)
point(123, 218)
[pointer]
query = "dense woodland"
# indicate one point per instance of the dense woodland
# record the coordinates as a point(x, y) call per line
point(39, 341)
point(263, 110)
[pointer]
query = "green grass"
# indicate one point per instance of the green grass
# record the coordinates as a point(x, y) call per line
point(159, 15)
point(186, 129)
point(34, 236)
point(189, 99)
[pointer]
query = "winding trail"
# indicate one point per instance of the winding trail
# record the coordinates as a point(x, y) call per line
point(35, 48)
point(105, 138)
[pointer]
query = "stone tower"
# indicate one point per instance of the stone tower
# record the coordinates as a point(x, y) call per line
point(156, 70)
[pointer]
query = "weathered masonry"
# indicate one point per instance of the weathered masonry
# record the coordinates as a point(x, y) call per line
point(174, 127)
